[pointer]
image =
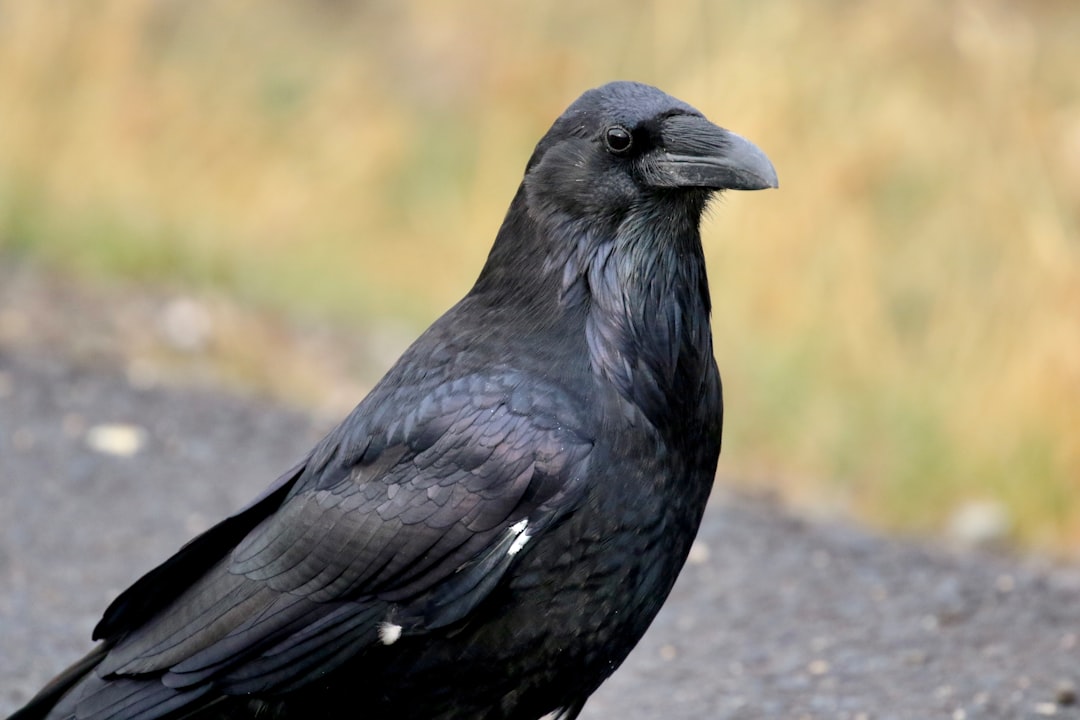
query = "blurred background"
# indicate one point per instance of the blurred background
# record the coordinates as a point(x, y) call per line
point(898, 326)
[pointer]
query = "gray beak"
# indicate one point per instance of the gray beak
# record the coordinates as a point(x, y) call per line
point(698, 154)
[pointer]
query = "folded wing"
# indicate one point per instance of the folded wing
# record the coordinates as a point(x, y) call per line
point(403, 521)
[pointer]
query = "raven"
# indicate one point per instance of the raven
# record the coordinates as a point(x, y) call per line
point(491, 530)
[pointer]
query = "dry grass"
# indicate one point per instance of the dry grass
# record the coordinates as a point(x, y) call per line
point(899, 326)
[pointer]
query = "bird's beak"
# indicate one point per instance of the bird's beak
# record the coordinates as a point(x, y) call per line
point(697, 153)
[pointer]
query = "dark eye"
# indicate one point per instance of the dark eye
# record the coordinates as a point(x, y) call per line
point(618, 139)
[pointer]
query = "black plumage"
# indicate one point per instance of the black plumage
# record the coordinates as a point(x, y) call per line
point(492, 529)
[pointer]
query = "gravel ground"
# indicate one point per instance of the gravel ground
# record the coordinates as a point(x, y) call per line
point(774, 616)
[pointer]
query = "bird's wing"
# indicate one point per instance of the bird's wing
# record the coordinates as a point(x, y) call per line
point(401, 523)
point(159, 587)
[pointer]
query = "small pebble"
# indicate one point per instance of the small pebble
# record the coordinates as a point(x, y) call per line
point(186, 325)
point(699, 553)
point(980, 523)
point(1065, 695)
point(118, 439)
point(1046, 709)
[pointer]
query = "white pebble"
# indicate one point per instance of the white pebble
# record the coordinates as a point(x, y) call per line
point(118, 439)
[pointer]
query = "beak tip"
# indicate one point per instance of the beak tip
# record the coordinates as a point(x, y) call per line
point(753, 162)
point(762, 177)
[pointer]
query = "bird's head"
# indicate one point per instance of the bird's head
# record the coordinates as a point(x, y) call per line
point(625, 143)
point(626, 165)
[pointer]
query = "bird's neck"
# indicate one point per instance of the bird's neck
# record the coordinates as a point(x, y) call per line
point(647, 325)
point(636, 288)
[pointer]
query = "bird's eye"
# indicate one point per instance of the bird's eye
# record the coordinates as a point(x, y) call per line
point(618, 139)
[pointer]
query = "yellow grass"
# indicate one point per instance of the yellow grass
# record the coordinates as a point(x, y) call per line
point(898, 326)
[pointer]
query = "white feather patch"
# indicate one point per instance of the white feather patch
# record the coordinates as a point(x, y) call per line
point(522, 536)
point(389, 633)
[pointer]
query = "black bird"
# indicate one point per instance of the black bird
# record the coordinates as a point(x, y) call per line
point(492, 529)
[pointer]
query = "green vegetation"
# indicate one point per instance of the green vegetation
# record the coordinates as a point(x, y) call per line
point(898, 326)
